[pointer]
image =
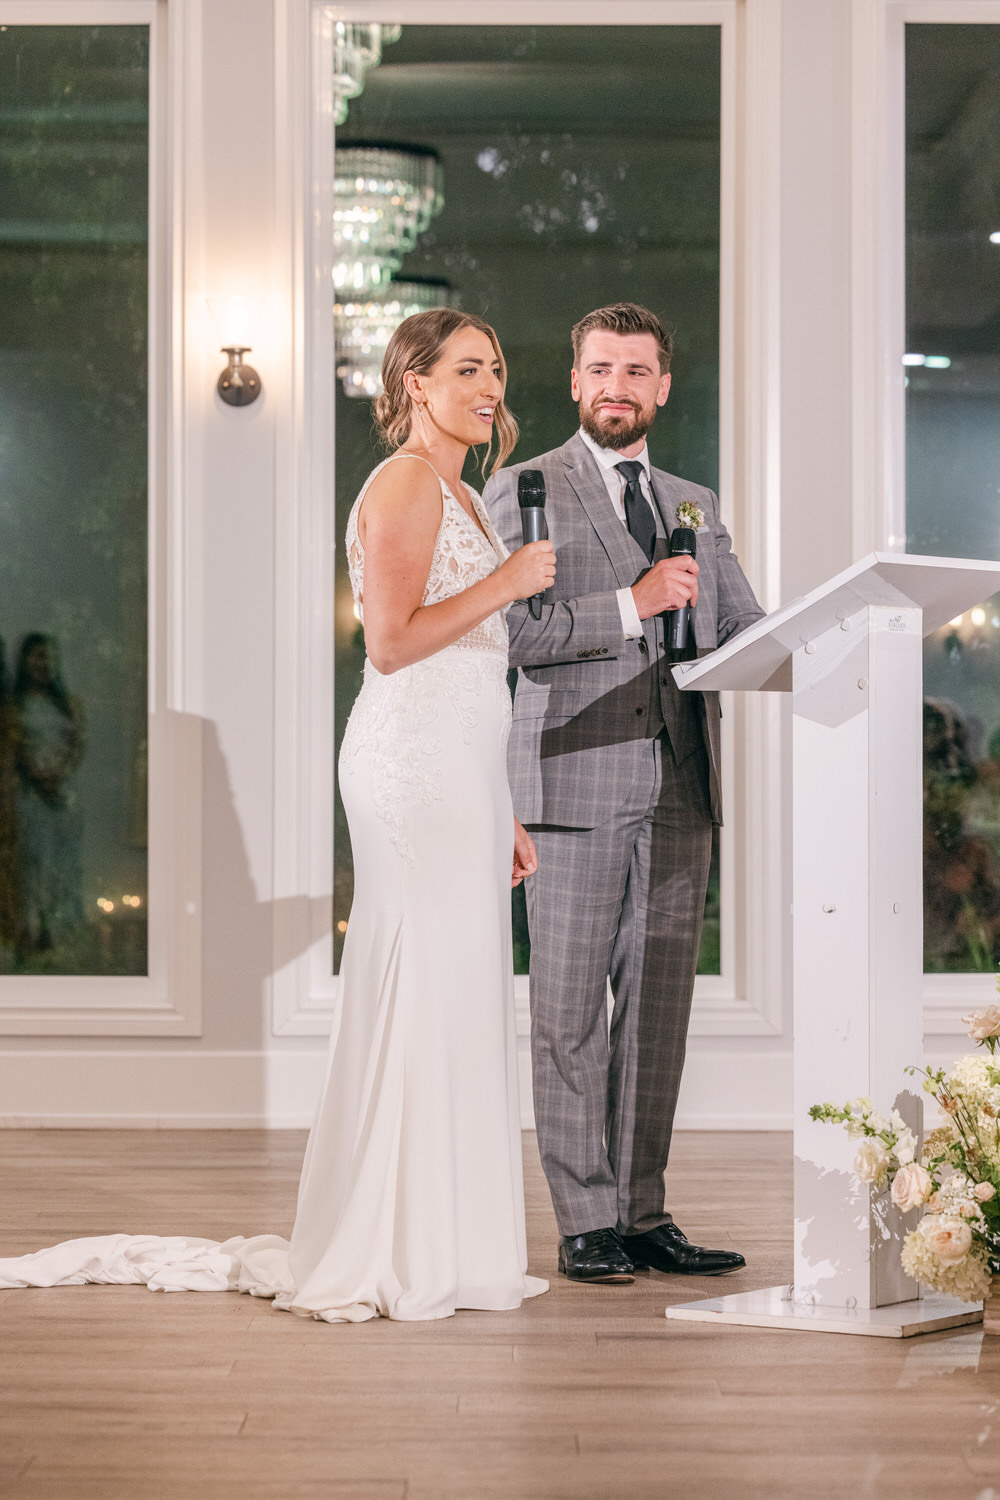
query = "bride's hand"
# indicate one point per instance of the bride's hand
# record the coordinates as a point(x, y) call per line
point(525, 858)
point(528, 571)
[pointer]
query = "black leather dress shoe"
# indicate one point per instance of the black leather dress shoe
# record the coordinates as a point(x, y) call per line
point(595, 1256)
point(667, 1249)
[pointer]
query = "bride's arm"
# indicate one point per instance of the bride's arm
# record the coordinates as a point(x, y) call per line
point(400, 517)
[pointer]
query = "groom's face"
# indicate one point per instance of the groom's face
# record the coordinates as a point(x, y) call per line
point(618, 385)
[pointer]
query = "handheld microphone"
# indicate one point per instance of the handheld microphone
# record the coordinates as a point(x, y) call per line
point(676, 621)
point(531, 499)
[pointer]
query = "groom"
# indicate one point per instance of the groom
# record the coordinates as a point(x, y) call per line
point(616, 774)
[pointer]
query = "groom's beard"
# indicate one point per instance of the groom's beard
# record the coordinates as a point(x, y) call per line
point(617, 432)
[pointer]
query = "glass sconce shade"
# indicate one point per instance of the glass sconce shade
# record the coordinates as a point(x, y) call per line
point(236, 320)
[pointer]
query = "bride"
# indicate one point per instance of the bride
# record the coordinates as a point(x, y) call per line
point(410, 1201)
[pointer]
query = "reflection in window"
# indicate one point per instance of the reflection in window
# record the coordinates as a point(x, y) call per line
point(74, 168)
point(953, 466)
point(571, 179)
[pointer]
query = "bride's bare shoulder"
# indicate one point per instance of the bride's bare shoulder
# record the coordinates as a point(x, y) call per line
point(406, 487)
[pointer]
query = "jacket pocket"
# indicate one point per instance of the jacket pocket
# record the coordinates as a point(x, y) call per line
point(557, 703)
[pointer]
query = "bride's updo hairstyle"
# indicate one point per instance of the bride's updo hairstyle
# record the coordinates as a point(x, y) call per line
point(417, 345)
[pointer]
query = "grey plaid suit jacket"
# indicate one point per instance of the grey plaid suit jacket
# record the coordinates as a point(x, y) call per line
point(580, 681)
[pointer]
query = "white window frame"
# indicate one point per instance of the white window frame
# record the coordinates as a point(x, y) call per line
point(166, 1001)
point(879, 322)
point(746, 998)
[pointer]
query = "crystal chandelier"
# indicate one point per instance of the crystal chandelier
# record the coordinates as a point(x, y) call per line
point(364, 323)
point(356, 48)
point(384, 197)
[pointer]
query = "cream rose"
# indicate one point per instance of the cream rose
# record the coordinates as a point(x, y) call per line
point(984, 1191)
point(872, 1160)
point(947, 1238)
point(911, 1186)
point(983, 1023)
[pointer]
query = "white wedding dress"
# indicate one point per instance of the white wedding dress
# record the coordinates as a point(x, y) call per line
point(410, 1201)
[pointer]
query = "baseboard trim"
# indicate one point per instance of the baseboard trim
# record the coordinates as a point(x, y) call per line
point(174, 1089)
point(170, 1089)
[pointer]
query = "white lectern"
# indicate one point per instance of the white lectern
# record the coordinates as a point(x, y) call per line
point(850, 655)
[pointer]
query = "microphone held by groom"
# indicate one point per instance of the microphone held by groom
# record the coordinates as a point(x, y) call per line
point(616, 774)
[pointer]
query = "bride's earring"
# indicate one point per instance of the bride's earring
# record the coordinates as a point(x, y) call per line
point(420, 421)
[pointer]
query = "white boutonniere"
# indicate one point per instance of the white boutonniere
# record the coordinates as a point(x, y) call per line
point(690, 515)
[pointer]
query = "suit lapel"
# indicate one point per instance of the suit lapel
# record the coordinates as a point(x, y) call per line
point(585, 479)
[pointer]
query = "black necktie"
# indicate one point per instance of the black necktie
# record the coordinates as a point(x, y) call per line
point(638, 516)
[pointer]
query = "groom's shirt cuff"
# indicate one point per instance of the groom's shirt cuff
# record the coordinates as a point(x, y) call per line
point(631, 624)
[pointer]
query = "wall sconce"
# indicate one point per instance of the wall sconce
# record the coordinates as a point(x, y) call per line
point(239, 383)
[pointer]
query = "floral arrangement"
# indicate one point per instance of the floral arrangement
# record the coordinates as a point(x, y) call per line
point(690, 515)
point(955, 1247)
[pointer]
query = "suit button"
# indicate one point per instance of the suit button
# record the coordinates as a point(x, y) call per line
point(643, 647)
point(640, 711)
point(604, 650)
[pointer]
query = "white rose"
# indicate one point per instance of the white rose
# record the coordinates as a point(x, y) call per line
point(983, 1023)
point(911, 1186)
point(984, 1191)
point(872, 1160)
point(947, 1238)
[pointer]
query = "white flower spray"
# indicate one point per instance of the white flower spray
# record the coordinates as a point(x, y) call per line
point(955, 1248)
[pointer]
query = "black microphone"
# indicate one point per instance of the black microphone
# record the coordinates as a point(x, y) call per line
point(531, 499)
point(676, 621)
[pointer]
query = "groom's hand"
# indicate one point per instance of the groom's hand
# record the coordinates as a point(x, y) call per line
point(669, 584)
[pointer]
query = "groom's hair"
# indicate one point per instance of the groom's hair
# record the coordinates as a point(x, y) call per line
point(624, 317)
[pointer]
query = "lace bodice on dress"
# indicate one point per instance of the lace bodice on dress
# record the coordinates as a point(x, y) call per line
point(462, 556)
point(402, 724)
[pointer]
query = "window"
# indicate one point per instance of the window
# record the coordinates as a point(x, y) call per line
point(569, 180)
point(74, 185)
point(953, 466)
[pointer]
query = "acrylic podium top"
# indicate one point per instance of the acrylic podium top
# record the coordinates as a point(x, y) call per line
point(759, 658)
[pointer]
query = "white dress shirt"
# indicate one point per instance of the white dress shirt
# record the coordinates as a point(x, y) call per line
point(615, 485)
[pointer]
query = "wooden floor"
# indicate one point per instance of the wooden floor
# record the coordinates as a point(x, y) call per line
point(588, 1393)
